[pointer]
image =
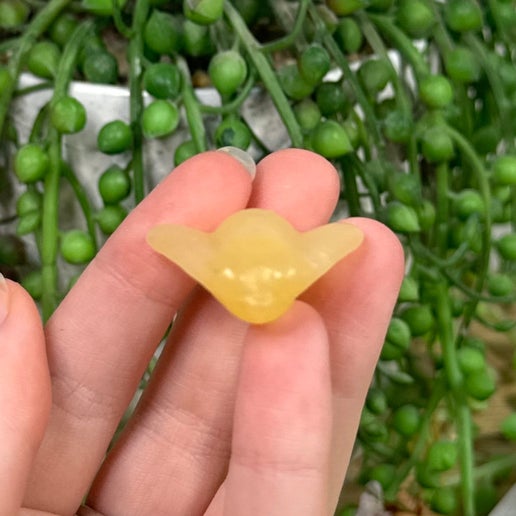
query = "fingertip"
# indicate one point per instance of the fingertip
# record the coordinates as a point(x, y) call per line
point(379, 237)
point(299, 185)
point(216, 166)
point(243, 157)
point(19, 307)
point(207, 184)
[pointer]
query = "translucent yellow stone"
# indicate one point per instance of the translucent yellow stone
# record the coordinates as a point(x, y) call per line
point(255, 263)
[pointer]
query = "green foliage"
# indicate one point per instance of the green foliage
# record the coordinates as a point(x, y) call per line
point(425, 144)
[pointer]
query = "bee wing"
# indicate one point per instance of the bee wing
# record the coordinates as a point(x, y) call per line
point(189, 248)
point(324, 246)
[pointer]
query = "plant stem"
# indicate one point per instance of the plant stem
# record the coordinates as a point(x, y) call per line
point(403, 101)
point(141, 11)
point(120, 25)
point(293, 32)
point(350, 187)
point(421, 441)
point(82, 197)
point(235, 103)
point(513, 207)
point(9, 44)
point(363, 102)
point(486, 470)
point(50, 216)
point(446, 44)
point(192, 108)
point(49, 227)
point(444, 266)
point(267, 75)
point(484, 188)
point(496, 87)
point(440, 34)
point(442, 205)
point(462, 412)
point(363, 134)
point(24, 43)
point(368, 182)
point(402, 43)
point(501, 27)
point(31, 89)
point(378, 47)
point(40, 125)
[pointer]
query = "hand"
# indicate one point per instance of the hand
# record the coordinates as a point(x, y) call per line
point(236, 420)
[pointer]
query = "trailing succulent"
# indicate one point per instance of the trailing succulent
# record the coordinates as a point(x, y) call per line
point(414, 101)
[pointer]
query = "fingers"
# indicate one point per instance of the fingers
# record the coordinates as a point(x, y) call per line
point(24, 392)
point(105, 331)
point(182, 426)
point(297, 184)
point(356, 299)
point(283, 415)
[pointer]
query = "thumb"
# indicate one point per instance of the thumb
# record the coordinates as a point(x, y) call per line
point(25, 396)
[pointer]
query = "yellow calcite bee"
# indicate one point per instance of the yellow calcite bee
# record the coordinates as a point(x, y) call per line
point(255, 263)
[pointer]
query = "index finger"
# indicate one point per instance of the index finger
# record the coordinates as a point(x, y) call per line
point(103, 334)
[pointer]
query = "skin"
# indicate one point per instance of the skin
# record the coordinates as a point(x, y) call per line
point(236, 419)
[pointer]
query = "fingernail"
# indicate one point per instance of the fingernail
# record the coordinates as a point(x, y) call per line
point(4, 299)
point(242, 156)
